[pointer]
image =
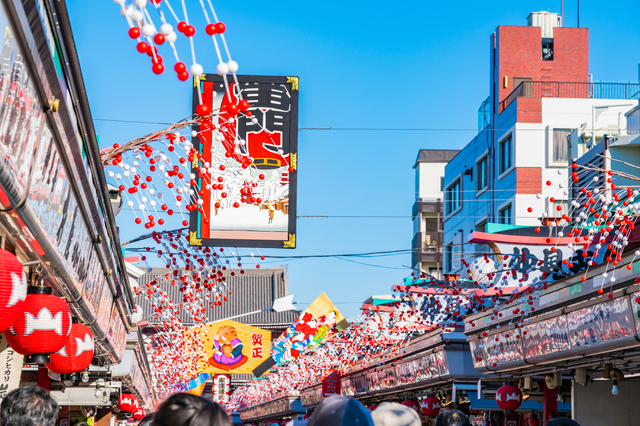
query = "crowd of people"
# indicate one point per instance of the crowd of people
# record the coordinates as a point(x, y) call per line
point(33, 406)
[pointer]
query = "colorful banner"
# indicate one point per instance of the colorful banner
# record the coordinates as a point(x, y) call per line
point(233, 347)
point(194, 386)
point(320, 321)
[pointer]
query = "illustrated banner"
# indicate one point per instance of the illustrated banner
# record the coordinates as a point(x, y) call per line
point(320, 321)
point(232, 347)
point(250, 162)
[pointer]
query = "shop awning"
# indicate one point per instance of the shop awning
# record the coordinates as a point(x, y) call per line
point(491, 404)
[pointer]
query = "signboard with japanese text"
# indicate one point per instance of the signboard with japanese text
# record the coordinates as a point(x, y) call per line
point(10, 368)
point(248, 170)
point(233, 347)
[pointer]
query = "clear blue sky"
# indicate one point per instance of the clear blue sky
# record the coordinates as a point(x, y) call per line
point(414, 64)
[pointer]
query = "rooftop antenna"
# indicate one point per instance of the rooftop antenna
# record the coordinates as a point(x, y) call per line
point(578, 13)
point(561, 13)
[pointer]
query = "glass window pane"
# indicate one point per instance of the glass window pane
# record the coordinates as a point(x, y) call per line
point(560, 146)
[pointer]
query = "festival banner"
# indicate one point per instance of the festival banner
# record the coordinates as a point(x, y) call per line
point(249, 197)
point(320, 321)
point(231, 347)
point(11, 367)
point(194, 386)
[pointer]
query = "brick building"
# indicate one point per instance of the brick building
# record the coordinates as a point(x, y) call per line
point(540, 92)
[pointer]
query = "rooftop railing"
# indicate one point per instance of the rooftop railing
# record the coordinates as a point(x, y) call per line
point(552, 89)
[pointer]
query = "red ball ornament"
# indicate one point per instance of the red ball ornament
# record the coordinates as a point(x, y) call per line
point(13, 289)
point(211, 29)
point(233, 109)
point(203, 110)
point(43, 328)
point(180, 67)
point(142, 47)
point(220, 27)
point(244, 105)
point(291, 170)
point(509, 397)
point(189, 31)
point(181, 26)
point(134, 32)
point(128, 402)
point(431, 406)
point(183, 76)
point(158, 38)
point(157, 68)
point(76, 355)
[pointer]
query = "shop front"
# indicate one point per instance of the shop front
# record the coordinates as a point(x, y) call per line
point(276, 410)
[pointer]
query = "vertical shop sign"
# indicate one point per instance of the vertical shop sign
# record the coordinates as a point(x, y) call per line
point(11, 365)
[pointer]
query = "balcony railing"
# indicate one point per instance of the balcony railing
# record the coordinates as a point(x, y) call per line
point(551, 89)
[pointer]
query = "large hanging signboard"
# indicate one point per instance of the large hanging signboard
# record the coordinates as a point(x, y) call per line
point(320, 321)
point(232, 347)
point(249, 196)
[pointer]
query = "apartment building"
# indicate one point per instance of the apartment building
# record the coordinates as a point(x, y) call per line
point(514, 173)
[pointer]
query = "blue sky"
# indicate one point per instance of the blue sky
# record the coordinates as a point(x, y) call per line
point(361, 64)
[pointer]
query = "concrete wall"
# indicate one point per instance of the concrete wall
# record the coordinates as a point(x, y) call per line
point(594, 405)
point(428, 180)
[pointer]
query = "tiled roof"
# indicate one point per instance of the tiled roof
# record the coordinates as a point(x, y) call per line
point(255, 289)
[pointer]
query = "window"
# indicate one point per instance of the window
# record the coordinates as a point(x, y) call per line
point(547, 48)
point(454, 196)
point(560, 146)
point(504, 215)
point(505, 154)
point(482, 171)
point(448, 258)
point(558, 208)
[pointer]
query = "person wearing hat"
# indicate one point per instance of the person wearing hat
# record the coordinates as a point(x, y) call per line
point(394, 414)
point(340, 410)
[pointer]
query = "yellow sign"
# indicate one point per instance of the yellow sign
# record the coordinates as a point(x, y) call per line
point(231, 347)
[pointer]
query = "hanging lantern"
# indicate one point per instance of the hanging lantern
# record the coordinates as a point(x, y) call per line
point(13, 289)
point(431, 406)
point(411, 404)
point(509, 397)
point(76, 355)
point(138, 415)
point(43, 328)
point(221, 388)
point(128, 402)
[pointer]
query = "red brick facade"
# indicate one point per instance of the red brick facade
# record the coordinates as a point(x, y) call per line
point(528, 180)
point(519, 54)
point(529, 110)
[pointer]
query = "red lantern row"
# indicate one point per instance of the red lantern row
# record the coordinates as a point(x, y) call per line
point(37, 323)
point(431, 406)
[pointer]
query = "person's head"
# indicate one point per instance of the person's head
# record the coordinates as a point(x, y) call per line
point(452, 418)
point(340, 410)
point(146, 420)
point(394, 414)
point(28, 406)
point(561, 421)
point(186, 409)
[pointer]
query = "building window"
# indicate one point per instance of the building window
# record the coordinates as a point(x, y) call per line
point(505, 154)
point(560, 147)
point(441, 183)
point(448, 258)
point(482, 171)
point(558, 208)
point(504, 215)
point(454, 196)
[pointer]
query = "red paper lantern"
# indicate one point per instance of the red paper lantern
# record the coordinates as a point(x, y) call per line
point(76, 355)
point(43, 328)
point(138, 415)
point(13, 289)
point(411, 404)
point(509, 397)
point(431, 406)
point(373, 407)
point(128, 402)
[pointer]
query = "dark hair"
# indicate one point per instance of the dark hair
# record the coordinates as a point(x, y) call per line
point(28, 406)
point(146, 420)
point(184, 409)
point(452, 418)
point(561, 421)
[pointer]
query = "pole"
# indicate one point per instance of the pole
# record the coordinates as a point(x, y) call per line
point(578, 13)
point(562, 13)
